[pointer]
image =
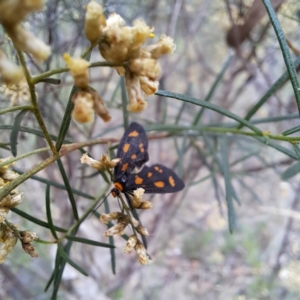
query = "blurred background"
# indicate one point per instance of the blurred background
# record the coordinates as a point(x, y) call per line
point(228, 54)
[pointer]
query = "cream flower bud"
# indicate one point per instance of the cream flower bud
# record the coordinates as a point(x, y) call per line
point(140, 32)
point(148, 86)
point(137, 197)
point(142, 230)
point(16, 11)
point(30, 249)
point(115, 20)
point(109, 163)
point(105, 218)
point(12, 200)
point(131, 242)
point(114, 162)
point(148, 67)
point(94, 21)
point(164, 46)
point(10, 175)
point(28, 236)
point(117, 229)
point(9, 242)
point(85, 159)
point(83, 111)
point(146, 205)
point(141, 253)
point(10, 72)
point(136, 102)
point(79, 70)
point(27, 41)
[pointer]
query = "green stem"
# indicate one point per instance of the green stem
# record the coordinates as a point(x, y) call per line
point(14, 108)
point(38, 78)
point(35, 106)
point(12, 160)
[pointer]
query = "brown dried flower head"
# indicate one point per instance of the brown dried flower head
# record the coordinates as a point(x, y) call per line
point(102, 164)
point(30, 249)
point(105, 218)
point(131, 242)
point(141, 253)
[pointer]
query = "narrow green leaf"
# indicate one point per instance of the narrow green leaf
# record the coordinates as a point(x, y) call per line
point(58, 185)
point(48, 212)
point(277, 147)
point(69, 189)
point(285, 51)
point(54, 272)
point(51, 81)
point(291, 171)
point(89, 242)
point(274, 88)
point(228, 185)
point(111, 241)
point(35, 220)
point(291, 131)
point(124, 103)
point(209, 106)
point(15, 131)
point(70, 261)
point(297, 151)
point(66, 120)
point(212, 89)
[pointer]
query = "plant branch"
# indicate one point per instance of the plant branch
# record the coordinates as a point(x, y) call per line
point(15, 108)
point(35, 107)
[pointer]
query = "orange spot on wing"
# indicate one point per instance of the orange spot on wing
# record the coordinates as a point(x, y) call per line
point(156, 168)
point(159, 184)
point(149, 174)
point(133, 156)
point(124, 167)
point(160, 170)
point(119, 186)
point(141, 145)
point(138, 180)
point(133, 133)
point(172, 181)
point(142, 150)
point(126, 147)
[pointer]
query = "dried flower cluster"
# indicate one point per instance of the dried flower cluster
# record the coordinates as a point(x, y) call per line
point(15, 12)
point(9, 233)
point(86, 100)
point(124, 45)
point(118, 229)
point(123, 220)
point(102, 164)
point(17, 93)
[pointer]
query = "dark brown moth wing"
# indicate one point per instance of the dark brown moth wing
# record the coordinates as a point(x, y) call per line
point(154, 179)
point(133, 150)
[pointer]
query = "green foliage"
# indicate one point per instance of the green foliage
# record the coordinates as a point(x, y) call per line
point(205, 133)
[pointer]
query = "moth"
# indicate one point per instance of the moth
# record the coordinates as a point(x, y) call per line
point(133, 152)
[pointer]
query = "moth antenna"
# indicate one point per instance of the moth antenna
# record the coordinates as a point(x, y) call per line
point(94, 210)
